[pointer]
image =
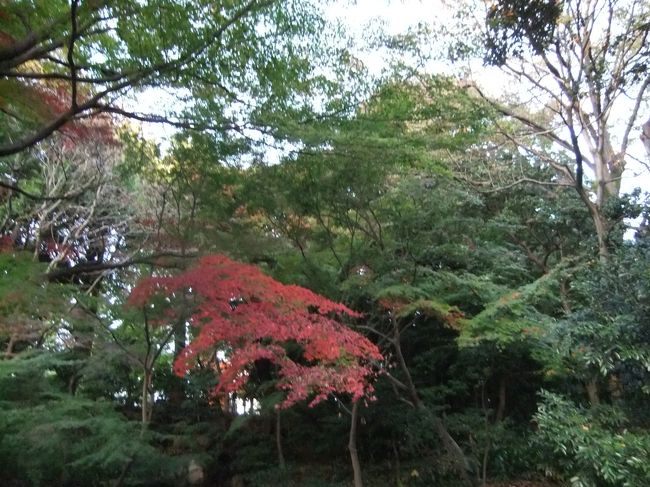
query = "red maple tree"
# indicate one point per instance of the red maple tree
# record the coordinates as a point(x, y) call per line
point(239, 309)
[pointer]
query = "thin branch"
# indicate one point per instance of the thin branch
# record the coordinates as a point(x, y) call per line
point(396, 381)
point(635, 112)
point(539, 129)
point(36, 197)
point(516, 183)
point(73, 68)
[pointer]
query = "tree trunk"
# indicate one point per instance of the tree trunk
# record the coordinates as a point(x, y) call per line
point(398, 476)
point(615, 388)
point(146, 407)
point(278, 440)
point(488, 437)
point(454, 451)
point(601, 234)
point(177, 389)
point(352, 446)
point(600, 224)
point(501, 406)
point(592, 391)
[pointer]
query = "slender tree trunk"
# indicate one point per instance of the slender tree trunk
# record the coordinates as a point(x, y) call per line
point(144, 398)
point(233, 403)
point(486, 454)
point(278, 440)
point(601, 233)
point(592, 391)
point(177, 389)
point(600, 223)
point(352, 446)
point(615, 388)
point(125, 470)
point(455, 452)
point(398, 475)
point(146, 406)
point(10, 346)
point(501, 406)
point(488, 434)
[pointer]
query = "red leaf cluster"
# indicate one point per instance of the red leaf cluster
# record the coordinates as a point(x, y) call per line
point(6, 243)
point(55, 99)
point(244, 311)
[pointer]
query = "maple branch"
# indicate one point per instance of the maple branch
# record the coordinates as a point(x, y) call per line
point(63, 119)
point(384, 337)
point(163, 344)
point(13, 58)
point(340, 403)
point(541, 263)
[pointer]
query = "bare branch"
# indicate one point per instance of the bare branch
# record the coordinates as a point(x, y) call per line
point(17, 189)
point(539, 129)
point(635, 113)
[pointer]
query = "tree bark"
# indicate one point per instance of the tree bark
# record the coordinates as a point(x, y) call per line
point(177, 389)
point(451, 446)
point(501, 406)
point(352, 446)
point(278, 440)
point(398, 476)
point(615, 387)
point(146, 410)
point(488, 437)
point(592, 391)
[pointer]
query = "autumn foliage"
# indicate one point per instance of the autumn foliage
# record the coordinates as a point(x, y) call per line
point(250, 316)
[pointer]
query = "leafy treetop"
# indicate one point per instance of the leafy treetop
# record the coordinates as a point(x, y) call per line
point(511, 22)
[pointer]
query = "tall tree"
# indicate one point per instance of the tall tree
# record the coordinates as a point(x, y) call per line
point(584, 63)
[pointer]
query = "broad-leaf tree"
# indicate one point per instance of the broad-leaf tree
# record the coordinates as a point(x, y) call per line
point(249, 317)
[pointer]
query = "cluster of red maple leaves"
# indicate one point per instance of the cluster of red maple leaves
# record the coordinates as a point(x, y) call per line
point(240, 310)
